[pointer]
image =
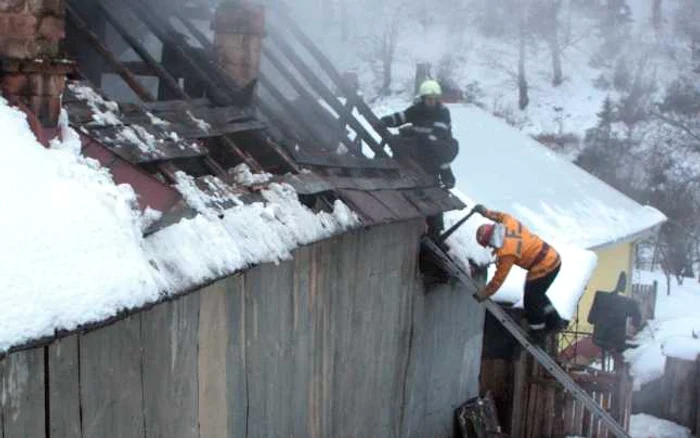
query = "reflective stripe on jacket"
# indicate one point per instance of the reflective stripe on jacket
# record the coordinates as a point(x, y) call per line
point(521, 248)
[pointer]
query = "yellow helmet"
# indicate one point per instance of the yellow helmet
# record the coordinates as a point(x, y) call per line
point(430, 88)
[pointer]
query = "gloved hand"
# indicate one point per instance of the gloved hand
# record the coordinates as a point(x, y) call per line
point(479, 208)
point(480, 296)
point(382, 123)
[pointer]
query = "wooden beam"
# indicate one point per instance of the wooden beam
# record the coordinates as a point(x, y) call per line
point(324, 91)
point(138, 68)
point(346, 161)
point(266, 109)
point(304, 92)
point(165, 76)
point(310, 132)
point(166, 34)
point(330, 70)
point(222, 88)
point(140, 50)
point(118, 67)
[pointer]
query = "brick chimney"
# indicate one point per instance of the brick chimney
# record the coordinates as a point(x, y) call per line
point(239, 28)
point(32, 71)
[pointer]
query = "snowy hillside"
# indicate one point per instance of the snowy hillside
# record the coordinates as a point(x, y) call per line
point(475, 46)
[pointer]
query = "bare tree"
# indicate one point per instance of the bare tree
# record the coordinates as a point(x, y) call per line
point(553, 9)
point(656, 14)
point(388, 42)
point(523, 99)
point(688, 25)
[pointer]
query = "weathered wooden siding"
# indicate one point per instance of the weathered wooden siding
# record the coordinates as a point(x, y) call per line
point(22, 397)
point(675, 396)
point(341, 341)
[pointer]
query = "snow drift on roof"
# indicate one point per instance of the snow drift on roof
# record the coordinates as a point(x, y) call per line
point(72, 248)
point(507, 170)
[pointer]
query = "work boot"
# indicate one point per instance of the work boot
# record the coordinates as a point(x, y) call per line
point(554, 322)
point(538, 337)
point(447, 178)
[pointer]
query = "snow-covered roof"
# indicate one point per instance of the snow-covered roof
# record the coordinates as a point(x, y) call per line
point(73, 250)
point(89, 231)
point(506, 170)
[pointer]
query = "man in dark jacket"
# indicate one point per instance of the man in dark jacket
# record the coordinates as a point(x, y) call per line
point(429, 139)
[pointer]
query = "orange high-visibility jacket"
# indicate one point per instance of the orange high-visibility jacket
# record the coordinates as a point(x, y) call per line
point(522, 248)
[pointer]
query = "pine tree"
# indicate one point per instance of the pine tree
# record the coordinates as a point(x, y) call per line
point(603, 149)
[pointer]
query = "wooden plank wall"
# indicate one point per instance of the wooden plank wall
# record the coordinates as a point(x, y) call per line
point(340, 341)
point(23, 396)
point(675, 396)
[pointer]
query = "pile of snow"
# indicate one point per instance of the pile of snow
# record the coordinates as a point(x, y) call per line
point(646, 426)
point(675, 331)
point(72, 247)
point(576, 269)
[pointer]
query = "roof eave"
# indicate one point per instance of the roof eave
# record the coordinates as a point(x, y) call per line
point(647, 232)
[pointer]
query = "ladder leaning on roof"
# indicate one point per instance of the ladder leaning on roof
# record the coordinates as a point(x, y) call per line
point(542, 357)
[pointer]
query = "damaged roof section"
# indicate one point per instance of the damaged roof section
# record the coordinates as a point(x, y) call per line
point(306, 129)
point(227, 172)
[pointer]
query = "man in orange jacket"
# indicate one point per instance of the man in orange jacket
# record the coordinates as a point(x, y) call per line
point(513, 244)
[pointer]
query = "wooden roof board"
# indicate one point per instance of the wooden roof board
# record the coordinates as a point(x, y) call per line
point(368, 207)
point(395, 201)
point(433, 200)
point(192, 132)
point(343, 161)
point(311, 183)
point(140, 145)
point(127, 129)
point(223, 196)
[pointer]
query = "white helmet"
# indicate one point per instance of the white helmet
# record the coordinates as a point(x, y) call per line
point(430, 88)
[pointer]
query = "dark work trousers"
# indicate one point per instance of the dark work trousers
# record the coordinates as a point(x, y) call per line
point(436, 225)
point(430, 155)
point(538, 308)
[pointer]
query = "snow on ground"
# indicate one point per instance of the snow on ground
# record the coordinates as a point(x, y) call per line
point(72, 247)
point(646, 426)
point(675, 331)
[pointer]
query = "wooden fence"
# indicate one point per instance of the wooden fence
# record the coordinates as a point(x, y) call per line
point(645, 295)
point(546, 410)
point(675, 396)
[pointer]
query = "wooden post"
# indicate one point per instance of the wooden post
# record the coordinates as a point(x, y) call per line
point(697, 397)
point(519, 395)
point(680, 391)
